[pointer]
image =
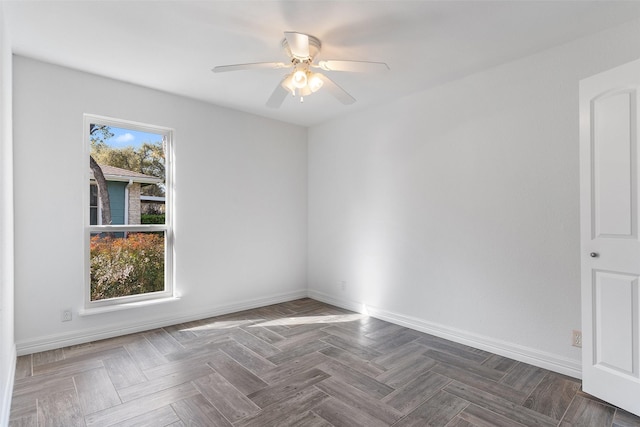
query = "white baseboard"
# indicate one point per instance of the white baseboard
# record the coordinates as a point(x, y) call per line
point(54, 341)
point(517, 352)
point(7, 391)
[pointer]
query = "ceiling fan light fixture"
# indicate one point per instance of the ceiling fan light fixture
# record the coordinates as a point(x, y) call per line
point(288, 84)
point(299, 79)
point(305, 91)
point(314, 82)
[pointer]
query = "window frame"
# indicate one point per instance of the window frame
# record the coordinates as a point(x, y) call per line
point(167, 227)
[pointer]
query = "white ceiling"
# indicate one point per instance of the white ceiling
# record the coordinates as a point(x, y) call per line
point(172, 45)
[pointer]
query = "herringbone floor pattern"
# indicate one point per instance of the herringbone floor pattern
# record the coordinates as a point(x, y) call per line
point(301, 363)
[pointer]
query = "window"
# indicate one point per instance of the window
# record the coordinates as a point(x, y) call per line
point(128, 249)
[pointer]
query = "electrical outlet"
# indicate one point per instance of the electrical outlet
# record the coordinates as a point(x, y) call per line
point(576, 338)
point(66, 316)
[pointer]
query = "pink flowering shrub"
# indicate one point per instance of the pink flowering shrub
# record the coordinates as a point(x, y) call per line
point(122, 266)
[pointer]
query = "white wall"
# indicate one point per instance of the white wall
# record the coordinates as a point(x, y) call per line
point(7, 342)
point(455, 210)
point(240, 198)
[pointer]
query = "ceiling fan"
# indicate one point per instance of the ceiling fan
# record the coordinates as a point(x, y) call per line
point(302, 81)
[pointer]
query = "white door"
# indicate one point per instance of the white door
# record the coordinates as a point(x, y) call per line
point(610, 244)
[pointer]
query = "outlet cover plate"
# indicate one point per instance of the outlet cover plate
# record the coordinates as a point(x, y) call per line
point(576, 338)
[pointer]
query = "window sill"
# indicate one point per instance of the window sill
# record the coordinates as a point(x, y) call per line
point(124, 306)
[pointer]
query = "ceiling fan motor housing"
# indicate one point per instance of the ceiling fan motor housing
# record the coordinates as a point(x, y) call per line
point(314, 48)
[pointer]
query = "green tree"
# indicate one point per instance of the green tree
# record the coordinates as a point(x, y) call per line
point(147, 159)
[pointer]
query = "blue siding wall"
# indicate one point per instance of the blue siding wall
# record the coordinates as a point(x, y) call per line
point(116, 199)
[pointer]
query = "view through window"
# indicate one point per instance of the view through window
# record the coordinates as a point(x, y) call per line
point(128, 211)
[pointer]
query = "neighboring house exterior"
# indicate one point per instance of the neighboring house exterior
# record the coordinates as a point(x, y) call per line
point(152, 204)
point(124, 188)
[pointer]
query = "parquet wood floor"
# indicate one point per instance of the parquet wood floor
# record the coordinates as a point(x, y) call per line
point(301, 363)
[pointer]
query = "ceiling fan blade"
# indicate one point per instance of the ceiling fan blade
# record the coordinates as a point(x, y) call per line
point(252, 66)
point(336, 90)
point(277, 97)
point(353, 66)
point(298, 44)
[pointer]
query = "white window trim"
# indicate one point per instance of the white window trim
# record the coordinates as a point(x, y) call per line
point(132, 300)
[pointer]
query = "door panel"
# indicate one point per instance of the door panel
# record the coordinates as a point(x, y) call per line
point(610, 256)
point(615, 299)
point(615, 189)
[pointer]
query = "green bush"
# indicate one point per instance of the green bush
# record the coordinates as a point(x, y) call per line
point(122, 266)
point(152, 218)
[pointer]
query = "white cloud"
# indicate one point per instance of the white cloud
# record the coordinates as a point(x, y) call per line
point(125, 137)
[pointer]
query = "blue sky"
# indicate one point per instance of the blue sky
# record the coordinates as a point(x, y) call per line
point(131, 138)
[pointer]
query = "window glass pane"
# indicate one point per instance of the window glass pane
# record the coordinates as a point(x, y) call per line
point(124, 264)
point(93, 216)
point(133, 165)
point(93, 195)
